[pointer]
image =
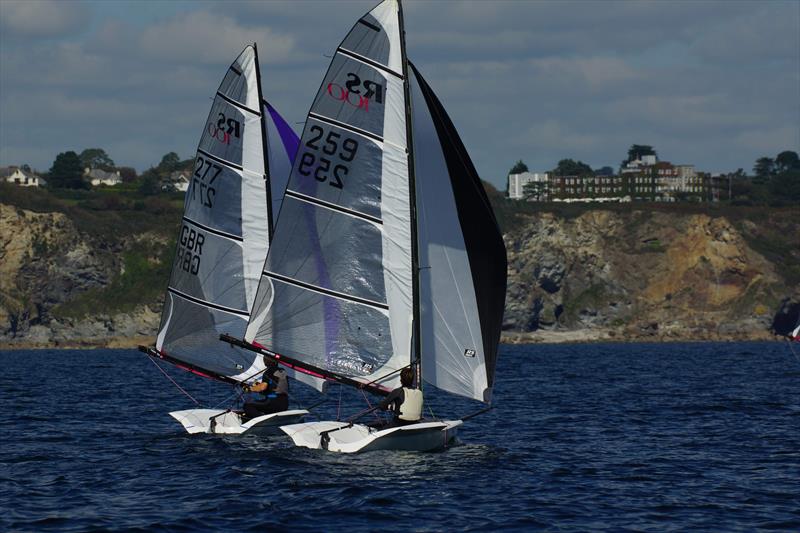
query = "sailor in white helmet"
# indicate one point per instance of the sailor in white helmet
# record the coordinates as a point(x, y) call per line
point(406, 401)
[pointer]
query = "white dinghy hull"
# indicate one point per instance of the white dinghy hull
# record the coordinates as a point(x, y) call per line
point(223, 421)
point(356, 438)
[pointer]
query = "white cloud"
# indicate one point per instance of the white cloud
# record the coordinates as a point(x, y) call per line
point(42, 18)
point(212, 39)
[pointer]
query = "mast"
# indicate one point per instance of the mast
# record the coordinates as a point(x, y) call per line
point(415, 334)
point(264, 148)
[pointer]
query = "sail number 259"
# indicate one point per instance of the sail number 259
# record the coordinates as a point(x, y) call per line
point(340, 150)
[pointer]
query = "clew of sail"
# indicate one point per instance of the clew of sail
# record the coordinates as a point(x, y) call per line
point(336, 290)
point(462, 255)
point(224, 233)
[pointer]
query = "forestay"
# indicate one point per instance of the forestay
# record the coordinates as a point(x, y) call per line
point(336, 291)
point(224, 233)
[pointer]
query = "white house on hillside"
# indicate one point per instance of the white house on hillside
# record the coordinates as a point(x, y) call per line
point(98, 176)
point(23, 178)
point(178, 181)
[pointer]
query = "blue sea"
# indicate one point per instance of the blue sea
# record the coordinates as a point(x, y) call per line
point(589, 437)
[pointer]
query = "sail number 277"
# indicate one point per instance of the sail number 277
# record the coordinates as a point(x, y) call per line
point(340, 150)
point(205, 172)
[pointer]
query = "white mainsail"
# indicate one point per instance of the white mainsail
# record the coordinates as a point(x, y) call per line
point(386, 252)
point(225, 230)
point(336, 291)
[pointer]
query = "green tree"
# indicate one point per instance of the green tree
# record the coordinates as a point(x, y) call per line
point(636, 151)
point(150, 182)
point(604, 171)
point(518, 168)
point(787, 160)
point(785, 188)
point(96, 158)
point(568, 167)
point(169, 163)
point(128, 174)
point(67, 172)
point(764, 167)
point(534, 191)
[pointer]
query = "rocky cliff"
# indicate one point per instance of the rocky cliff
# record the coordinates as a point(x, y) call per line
point(46, 265)
point(622, 273)
point(639, 274)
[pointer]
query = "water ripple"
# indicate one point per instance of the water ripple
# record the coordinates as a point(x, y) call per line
point(586, 437)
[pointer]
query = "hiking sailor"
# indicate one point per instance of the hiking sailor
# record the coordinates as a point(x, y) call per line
point(275, 391)
point(407, 401)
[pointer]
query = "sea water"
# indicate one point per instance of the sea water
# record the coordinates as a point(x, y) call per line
point(659, 437)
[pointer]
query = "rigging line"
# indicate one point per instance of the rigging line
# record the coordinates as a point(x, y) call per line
point(372, 409)
point(339, 407)
point(792, 349)
point(415, 361)
point(175, 382)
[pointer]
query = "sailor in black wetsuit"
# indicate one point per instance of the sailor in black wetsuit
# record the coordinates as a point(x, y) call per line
point(406, 401)
point(275, 390)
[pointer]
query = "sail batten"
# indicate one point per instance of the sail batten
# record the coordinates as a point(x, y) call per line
point(208, 304)
point(238, 104)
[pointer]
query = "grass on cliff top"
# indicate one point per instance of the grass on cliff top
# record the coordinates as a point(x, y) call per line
point(102, 212)
point(145, 277)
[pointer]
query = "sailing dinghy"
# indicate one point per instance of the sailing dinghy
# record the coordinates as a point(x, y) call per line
point(241, 167)
point(386, 253)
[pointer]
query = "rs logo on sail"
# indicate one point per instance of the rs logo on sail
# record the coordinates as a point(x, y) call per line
point(191, 248)
point(224, 128)
point(351, 92)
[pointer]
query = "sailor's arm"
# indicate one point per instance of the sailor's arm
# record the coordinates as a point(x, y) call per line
point(392, 397)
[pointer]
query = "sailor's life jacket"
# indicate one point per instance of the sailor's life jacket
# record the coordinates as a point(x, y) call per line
point(411, 408)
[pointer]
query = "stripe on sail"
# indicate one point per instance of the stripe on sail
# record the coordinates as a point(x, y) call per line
point(238, 104)
point(220, 160)
point(214, 231)
point(327, 292)
point(345, 126)
point(236, 70)
point(334, 207)
point(369, 25)
point(368, 61)
point(206, 303)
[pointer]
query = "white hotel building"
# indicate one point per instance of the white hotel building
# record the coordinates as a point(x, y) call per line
point(517, 182)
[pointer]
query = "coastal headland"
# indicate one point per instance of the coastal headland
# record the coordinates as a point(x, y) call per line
point(90, 270)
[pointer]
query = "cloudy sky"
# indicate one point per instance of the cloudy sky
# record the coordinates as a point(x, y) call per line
point(712, 83)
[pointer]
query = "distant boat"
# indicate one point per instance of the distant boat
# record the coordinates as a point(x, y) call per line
point(387, 253)
point(240, 172)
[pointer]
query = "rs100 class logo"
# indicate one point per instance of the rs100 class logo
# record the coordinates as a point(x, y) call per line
point(225, 128)
point(357, 92)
